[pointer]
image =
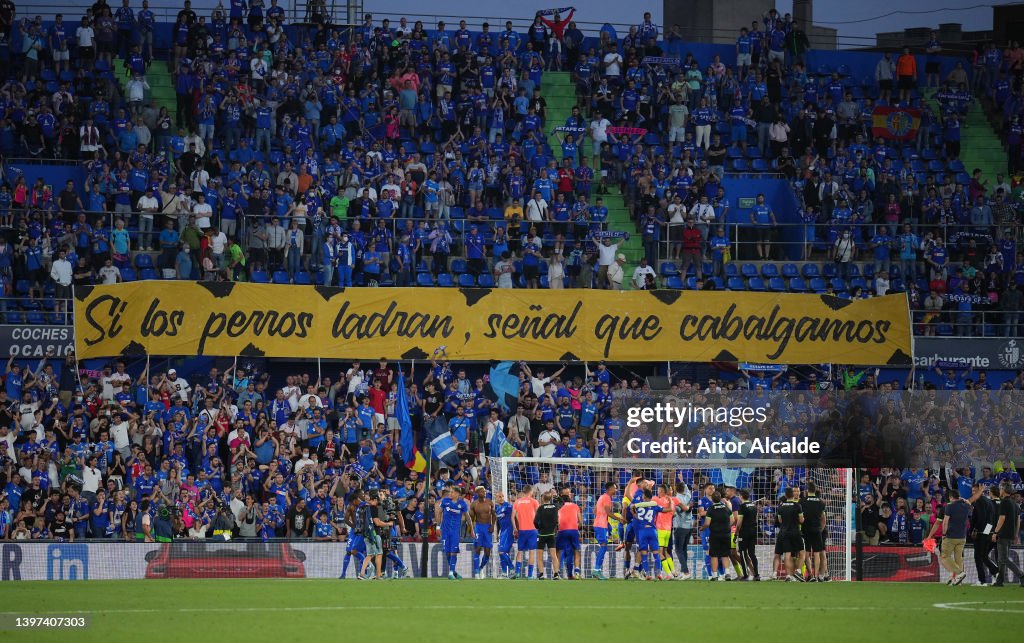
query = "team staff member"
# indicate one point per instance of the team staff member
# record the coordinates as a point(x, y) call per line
point(570, 516)
point(546, 521)
point(813, 508)
point(682, 529)
point(984, 521)
point(524, 511)
point(1007, 532)
point(746, 536)
point(482, 514)
point(718, 520)
point(954, 530)
point(790, 545)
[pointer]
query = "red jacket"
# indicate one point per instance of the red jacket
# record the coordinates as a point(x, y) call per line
point(692, 239)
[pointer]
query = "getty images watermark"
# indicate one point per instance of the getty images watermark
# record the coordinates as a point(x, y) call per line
point(673, 416)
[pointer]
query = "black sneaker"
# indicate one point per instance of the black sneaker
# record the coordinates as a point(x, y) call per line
point(799, 576)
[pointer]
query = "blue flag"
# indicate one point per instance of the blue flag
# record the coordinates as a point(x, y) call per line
point(406, 441)
point(443, 448)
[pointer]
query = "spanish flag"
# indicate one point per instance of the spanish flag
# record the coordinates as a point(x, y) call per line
point(895, 123)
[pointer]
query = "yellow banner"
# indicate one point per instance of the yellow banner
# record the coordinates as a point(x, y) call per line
point(227, 319)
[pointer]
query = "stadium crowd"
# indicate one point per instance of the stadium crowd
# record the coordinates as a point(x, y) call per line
point(393, 154)
point(111, 455)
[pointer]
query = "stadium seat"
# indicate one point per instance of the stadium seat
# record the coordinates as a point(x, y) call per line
point(458, 266)
point(756, 284)
point(143, 261)
point(829, 270)
point(789, 270)
point(445, 280)
point(485, 280)
point(281, 277)
point(796, 284)
point(838, 283)
point(668, 269)
point(257, 276)
point(674, 282)
point(128, 274)
point(735, 283)
point(731, 270)
point(776, 284)
point(148, 274)
point(769, 270)
point(818, 284)
point(810, 270)
point(467, 280)
point(424, 279)
point(748, 270)
point(302, 278)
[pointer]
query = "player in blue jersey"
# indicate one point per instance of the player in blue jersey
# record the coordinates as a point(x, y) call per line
point(503, 519)
point(644, 513)
point(633, 493)
point(452, 511)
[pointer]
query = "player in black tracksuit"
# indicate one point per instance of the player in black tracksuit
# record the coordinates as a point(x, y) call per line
point(814, 534)
point(983, 521)
point(789, 546)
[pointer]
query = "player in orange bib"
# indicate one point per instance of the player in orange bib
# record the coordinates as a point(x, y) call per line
point(568, 541)
point(524, 510)
point(663, 524)
point(604, 509)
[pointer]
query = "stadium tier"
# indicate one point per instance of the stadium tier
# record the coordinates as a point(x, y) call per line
point(211, 227)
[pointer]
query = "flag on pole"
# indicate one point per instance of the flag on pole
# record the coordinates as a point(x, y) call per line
point(895, 123)
point(411, 456)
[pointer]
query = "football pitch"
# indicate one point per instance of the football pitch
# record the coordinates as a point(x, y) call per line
point(502, 610)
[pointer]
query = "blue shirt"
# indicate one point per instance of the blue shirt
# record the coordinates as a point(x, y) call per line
point(451, 514)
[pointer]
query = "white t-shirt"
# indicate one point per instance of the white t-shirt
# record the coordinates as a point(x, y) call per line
point(612, 62)
point(547, 451)
point(640, 275)
point(599, 129)
point(218, 243)
point(109, 274)
point(180, 387)
point(606, 254)
point(537, 385)
point(119, 433)
point(145, 203)
point(203, 212)
point(91, 479)
point(535, 210)
point(84, 36)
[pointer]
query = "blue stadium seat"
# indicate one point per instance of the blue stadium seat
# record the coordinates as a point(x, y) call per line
point(485, 280)
point(731, 270)
point(302, 278)
point(128, 274)
point(458, 266)
point(668, 269)
point(467, 280)
point(740, 165)
point(445, 280)
point(760, 165)
point(829, 270)
point(796, 284)
point(769, 270)
point(735, 283)
point(424, 279)
point(35, 318)
point(257, 276)
point(281, 277)
point(756, 284)
point(143, 261)
point(810, 270)
point(148, 274)
point(818, 284)
point(776, 284)
point(543, 281)
point(858, 282)
point(789, 270)
point(838, 284)
point(674, 282)
point(748, 270)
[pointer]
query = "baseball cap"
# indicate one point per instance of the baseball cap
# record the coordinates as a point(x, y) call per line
point(172, 372)
point(620, 257)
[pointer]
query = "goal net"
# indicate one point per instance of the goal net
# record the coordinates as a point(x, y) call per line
point(764, 480)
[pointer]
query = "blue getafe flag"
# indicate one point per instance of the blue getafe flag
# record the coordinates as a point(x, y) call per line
point(442, 448)
point(411, 456)
point(498, 446)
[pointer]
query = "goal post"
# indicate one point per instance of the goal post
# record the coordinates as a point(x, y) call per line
point(766, 481)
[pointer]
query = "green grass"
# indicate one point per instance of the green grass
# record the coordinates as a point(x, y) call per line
point(530, 611)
